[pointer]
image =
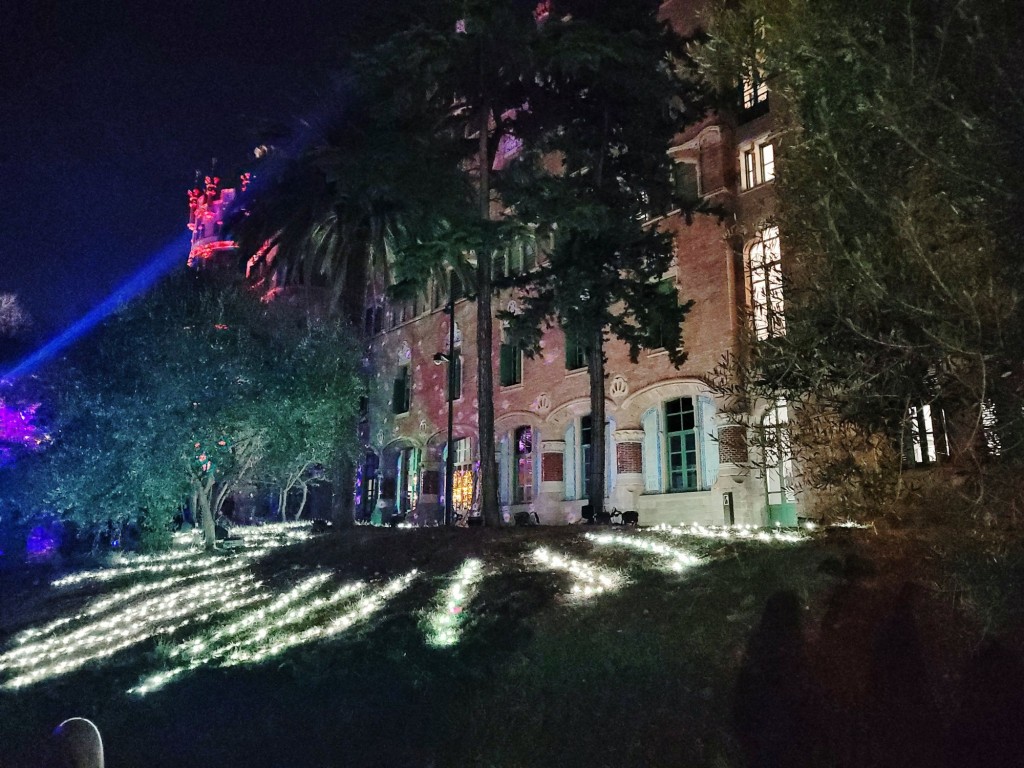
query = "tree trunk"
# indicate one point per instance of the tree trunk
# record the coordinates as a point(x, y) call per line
point(204, 495)
point(282, 503)
point(484, 343)
point(595, 368)
point(302, 503)
point(342, 503)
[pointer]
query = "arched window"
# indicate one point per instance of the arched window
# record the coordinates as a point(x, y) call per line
point(766, 285)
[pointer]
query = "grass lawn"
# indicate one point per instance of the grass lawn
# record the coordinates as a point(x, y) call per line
point(853, 647)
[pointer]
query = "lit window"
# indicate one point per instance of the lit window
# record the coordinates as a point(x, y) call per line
point(925, 435)
point(767, 161)
point(523, 488)
point(402, 393)
point(754, 90)
point(757, 163)
point(463, 477)
point(778, 456)
point(766, 285)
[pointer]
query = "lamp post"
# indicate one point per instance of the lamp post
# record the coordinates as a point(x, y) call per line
point(449, 358)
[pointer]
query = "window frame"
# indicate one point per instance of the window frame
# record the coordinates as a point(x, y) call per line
point(578, 352)
point(522, 493)
point(510, 364)
point(757, 162)
point(765, 283)
point(689, 444)
point(404, 377)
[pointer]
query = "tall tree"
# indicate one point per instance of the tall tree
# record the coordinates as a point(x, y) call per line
point(472, 69)
point(604, 101)
point(898, 186)
point(185, 394)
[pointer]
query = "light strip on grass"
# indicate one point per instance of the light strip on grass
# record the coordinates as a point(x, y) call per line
point(741, 532)
point(679, 559)
point(364, 609)
point(256, 620)
point(126, 595)
point(444, 623)
point(161, 615)
point(589, 580)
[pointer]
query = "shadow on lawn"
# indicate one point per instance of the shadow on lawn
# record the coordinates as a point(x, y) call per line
point(866, 692)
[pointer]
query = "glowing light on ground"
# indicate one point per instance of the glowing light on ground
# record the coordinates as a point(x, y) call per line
point(360, 612)
point(742, 532)
point(256, 625)
point(258, 541)
point(444, 624)
point(679, 559)
point(184, 562)
point(271, 630)
point(588, 580)
point(165, 614)
point(127, 595)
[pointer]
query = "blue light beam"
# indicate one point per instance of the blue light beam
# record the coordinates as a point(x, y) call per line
point(163, 261)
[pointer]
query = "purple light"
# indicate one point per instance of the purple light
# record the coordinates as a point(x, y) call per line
point(18, 431)
point(43, 539)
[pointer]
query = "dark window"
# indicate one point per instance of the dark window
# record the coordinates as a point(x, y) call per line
point(456, 376)
point(684, 180)
point(402, 394)
point(586, 456)
point(663, 334)
point(510, 369)
point(575, 352)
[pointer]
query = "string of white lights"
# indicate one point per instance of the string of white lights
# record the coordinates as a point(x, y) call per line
point(679, 559)
point(362, 610)
point(251, 630)
point(117, 572)
point(127, 595)
point(260, 616)
point(589, 580)
point(742, 532)
point(162, 615)
point(444, 623)
point(151, 610)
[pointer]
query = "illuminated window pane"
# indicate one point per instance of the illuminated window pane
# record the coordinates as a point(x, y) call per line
point(766, 285)
point(749, 169)
point(523, 490)
point(767, 162)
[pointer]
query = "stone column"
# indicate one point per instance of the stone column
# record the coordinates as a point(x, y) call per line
point(629, 465)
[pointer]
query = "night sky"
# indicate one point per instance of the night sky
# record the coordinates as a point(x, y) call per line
point(106, 114)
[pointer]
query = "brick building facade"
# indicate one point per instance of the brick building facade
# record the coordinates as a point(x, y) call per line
point(673, 455)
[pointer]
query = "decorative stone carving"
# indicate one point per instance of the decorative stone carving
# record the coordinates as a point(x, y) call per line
point(543, 402)
point(619, 387)
point(404, 352)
